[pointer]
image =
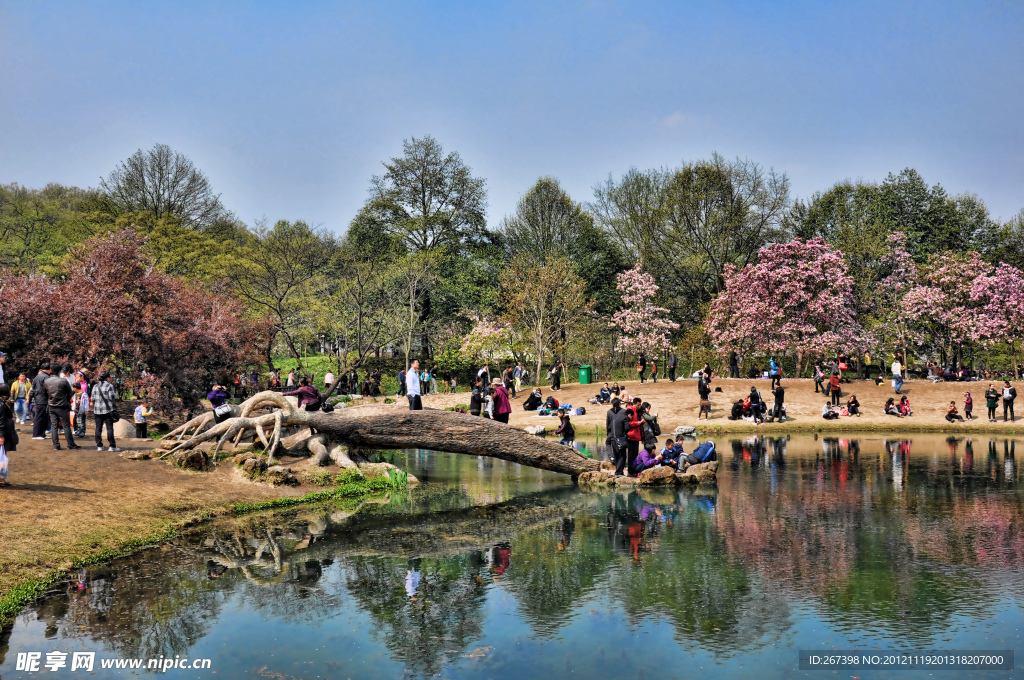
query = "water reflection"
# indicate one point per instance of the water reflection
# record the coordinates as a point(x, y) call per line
point(881, 540)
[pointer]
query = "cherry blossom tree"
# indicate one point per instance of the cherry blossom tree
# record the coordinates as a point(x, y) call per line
point(644, 327)
point(1001, 315)
point(797, 299)
point(940, 308)
point(491, 339)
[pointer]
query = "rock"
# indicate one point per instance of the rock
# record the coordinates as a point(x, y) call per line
point(242, 457)
point(626, 481)
point(124, 429)
point(139, 455)
point(684, 429)
point(597, 477)
point(192, 459)
point(278, 475)
point(607, 465)
point(252, 466)
point(538, 430)
point(703, 473)
point(661, 474)
point(167, 444)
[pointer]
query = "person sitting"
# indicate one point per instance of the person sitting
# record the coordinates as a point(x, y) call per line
point(309, 396)
point(565, 429)
point(853, 406)
point(754, 372)
point(880, 379)
point(534, 401)
point(891, 409)
point(616, 389)
point(827, 413)
point(551, 403)
point(905, 406)
point(605, 395)
point(705, 453)
point(737, 410)
point(670, 454)
point(933, 373)
point(951, 413)
point(645, 460)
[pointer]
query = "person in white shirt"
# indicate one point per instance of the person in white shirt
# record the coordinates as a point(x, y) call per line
point(897, 373)
point(328, 379)
point(412, 386)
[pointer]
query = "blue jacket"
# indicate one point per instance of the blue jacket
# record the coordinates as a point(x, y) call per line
point(773, 368)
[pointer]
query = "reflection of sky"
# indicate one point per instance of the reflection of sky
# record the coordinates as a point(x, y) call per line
point(825, 547)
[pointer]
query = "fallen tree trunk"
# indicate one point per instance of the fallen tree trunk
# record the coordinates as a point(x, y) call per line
point(367, 427)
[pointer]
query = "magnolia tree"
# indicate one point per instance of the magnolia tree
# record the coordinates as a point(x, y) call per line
point(644, 327)
point(798, 299)
point(1000, 317)
point(940, 308)
point(491, 339)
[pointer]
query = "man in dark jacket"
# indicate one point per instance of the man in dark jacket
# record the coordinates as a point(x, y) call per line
point(618, 426)
point(672, 367)
point(41, 422)
point(58, 406)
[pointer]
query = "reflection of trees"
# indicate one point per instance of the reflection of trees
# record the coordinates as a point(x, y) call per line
point(877, 536)
point(438, 621)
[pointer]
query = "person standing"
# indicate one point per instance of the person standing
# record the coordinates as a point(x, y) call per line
point(819, 378)
point(401, 382)
point(517, 375)
point(484, 376)
point(291, 379)
point(835, 389)
point(3, 359)
point(780, 399)
point(328, 379)
point(1009, 394)
point(142, 414)
point(991, 402)
point(641, 368)
point(509, 380)
point(8, 435)
point(41, 421)
point(58, 406)
point(476, 399)
point(412, 386)
point(104, 407)
point(654, 370)
point(20, 391)
point(734, 365)
point(897, 373)
point(774, 373)
point(672, 366)
point(433, 379)
point(556, 375)
point(502, 405)
point(635, 431)
point(609, 427)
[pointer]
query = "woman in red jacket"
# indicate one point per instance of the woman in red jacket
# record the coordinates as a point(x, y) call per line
point(635, 433)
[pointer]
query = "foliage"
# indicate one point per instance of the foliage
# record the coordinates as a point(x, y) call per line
point(940, 307)
point(113, 309)
point(797, 299)
point(38, 226)
point(643, 326)
point(543, 304)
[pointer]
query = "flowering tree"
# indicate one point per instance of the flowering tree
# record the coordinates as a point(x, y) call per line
point(490, 339)
point(797, 299)
point(112, 309)
point(1001, 316)
point(644, 326)
point(940, 307)
point(899, 275)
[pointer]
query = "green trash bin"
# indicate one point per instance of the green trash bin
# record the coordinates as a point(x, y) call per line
point(586, 375)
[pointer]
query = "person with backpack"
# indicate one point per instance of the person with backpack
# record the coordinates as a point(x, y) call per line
point(705, 453)
point(651, 428)
point(1009, 394)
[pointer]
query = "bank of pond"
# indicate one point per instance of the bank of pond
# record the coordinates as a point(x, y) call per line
point(489, 569)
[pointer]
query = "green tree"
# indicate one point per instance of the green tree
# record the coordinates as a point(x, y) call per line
point(39, 226)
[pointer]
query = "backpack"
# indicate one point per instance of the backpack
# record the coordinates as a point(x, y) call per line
point(655, 427)
point(581, 411)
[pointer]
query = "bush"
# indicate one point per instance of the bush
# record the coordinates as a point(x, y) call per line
point(317, 477)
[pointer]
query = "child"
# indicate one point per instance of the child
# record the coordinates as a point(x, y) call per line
point(566, 429)
point(968, 406)
point(142, 412)
point(669, 454)
point(879, 380)
point(951, 413)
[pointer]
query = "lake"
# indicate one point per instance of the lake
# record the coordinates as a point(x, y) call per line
point(491, 570)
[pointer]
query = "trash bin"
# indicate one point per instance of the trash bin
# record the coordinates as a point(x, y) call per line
point(586, 374)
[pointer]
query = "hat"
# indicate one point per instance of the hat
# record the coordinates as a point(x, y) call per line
point(496, 381)
point(3, 354)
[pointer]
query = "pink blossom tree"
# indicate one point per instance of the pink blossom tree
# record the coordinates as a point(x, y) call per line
point(940, 308)
point(1001, 315)
point(644, 327)
point(797, 299)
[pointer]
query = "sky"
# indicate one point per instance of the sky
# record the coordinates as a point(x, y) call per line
point(290, 108)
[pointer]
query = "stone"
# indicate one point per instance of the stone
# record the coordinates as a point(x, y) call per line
point(167, 444)
point(538, 430)
point(124, 429)
point(253, 466)
point(661, 474)
point(240, 458)
point(192, 459)
point(626, 481)
point(684, 429)
point(279, 475)
point(607, 465)
point(597, 477)
point(702, 473)
point(139, 455)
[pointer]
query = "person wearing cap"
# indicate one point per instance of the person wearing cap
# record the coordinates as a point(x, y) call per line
point(502, 405)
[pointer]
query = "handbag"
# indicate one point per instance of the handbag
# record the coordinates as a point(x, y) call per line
point(221, 413)
point(115, 416)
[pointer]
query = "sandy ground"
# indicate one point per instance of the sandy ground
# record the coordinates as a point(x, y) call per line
point(65, 504)
point(677, 404)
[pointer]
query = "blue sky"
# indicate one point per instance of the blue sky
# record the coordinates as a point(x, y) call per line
point(289, 108)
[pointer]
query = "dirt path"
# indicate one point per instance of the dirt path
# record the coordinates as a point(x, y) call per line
point(677, 404)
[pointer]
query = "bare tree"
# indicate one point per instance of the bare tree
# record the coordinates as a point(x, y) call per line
point(164, 182)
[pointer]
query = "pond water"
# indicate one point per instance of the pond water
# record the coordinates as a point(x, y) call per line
point(491, 570)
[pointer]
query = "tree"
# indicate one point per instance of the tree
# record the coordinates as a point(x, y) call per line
point(164, 182)
point(428, 198)
point(112, 308)
point(1001, 316)
point(797, 299)
point(643, 326)
point(548, 222)
point(38, 226)
point(416, 274)
point(276, 270)
point(1005, 242)
point(940, 308)
point(894, 277)
point(543, 303)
